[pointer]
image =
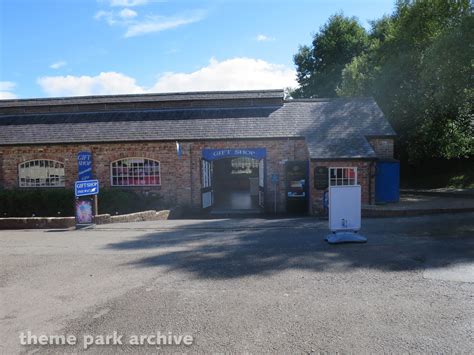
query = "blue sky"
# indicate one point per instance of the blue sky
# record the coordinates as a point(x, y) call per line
point(86, 47)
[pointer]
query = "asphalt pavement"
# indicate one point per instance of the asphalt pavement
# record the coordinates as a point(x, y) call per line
point(247, 285)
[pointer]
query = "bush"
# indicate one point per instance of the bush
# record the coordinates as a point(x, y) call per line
point(38, 202)
point(115, 201)
point(60, 202)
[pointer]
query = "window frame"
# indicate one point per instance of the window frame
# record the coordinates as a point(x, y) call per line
point(356, 177)
point(22, 165)
point(135, 185)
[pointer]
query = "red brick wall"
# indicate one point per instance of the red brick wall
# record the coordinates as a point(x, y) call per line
point(365, 178)
point(278, 152)
point(180, 178)
point(172, 172)
point(383, 147)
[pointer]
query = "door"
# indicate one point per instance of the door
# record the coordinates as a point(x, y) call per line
point(387, 182)
point(261, 183)
point(207, 192)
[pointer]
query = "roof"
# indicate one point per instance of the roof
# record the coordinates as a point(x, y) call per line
point(333, 128)
point(143, 98)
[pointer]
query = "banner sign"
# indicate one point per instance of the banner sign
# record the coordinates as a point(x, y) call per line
point(84, 163)
point(86, 188)
point(84, 211)
point(254, 153)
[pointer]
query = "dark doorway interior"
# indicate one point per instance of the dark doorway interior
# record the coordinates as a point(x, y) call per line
point(236, 184)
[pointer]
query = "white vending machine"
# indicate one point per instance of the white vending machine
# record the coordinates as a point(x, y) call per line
point(345, 214)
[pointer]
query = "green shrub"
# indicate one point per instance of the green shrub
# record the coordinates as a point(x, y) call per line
point(37, 202)
point(114, 201)
point(60, 202)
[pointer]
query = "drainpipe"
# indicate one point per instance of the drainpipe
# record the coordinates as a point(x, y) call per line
point(191, 174)
point(371, 175)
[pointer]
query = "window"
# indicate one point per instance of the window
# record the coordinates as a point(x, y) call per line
point(41, 173)
point(207, 170)
point(135, 172)
point(342, 176)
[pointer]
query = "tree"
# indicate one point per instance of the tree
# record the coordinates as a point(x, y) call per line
point(319, 67)
point(418, 67)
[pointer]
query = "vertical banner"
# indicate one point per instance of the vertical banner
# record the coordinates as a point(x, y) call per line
point(84, 209)
point(179, 150)
point(84, 165)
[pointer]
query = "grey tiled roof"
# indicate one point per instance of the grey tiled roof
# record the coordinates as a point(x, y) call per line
point(155, 97)
point(333, 128)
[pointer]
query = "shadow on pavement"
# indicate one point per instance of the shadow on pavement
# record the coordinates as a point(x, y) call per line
point(207, 250)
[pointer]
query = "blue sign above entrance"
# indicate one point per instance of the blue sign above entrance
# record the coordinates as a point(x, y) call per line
point(214, 154)
point(84, 162)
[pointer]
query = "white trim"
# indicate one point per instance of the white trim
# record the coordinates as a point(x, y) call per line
point(58, 165)
point(356, 179)
point(158, 174)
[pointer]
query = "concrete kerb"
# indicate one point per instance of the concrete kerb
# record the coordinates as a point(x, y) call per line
point(371, 213)
point(69, 222)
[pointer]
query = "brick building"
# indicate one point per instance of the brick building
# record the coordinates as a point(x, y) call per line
point(242, 150)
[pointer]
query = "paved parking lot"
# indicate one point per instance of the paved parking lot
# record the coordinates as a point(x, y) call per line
point(248, 285)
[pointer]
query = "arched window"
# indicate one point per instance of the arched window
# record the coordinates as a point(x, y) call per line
point(135, 172)
point(41, 173)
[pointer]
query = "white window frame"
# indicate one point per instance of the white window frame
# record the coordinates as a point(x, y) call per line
point(40, 165)
point(207, 171)
point(133, 176)
point(343, 179)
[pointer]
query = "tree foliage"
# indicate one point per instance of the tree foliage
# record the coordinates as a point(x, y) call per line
point(419, 66)
point(319, 67)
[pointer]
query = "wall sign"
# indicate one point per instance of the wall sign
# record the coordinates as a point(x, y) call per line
point(321, 178)
point(84, 164)
point(86, 188)
point(214, 154)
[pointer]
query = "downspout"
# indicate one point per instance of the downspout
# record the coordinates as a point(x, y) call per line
point(191, 174)
point(371, 175)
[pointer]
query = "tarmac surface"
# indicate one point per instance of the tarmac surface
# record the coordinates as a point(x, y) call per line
point(247, 285)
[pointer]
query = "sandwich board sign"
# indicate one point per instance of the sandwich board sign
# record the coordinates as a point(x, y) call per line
point(345, 214)
point(344, 208)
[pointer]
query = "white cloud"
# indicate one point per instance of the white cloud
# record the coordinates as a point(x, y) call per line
point(6, 88)
point(103, 84)
point(5, 95)
point(161, 23)
point(135, 26)
point(231, 74)
point(127, 13)
point(58, 64)
point(264, 38)
point(128, 3)
point(108, 16)
point(7, 85)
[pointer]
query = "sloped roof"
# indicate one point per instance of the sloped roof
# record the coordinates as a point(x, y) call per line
point(333, 128)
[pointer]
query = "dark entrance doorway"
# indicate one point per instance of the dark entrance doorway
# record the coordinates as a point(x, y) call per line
point(236, 184)
point(233, 180)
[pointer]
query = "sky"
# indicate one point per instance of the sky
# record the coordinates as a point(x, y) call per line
point(56, 48)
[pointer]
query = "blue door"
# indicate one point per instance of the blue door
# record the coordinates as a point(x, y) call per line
point(387, 181)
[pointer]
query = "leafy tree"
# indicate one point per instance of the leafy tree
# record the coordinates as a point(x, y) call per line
point(319, 67)
point(419, 68)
